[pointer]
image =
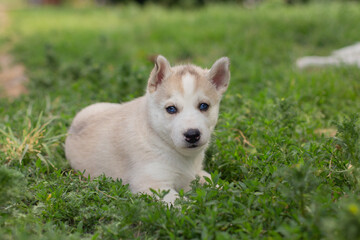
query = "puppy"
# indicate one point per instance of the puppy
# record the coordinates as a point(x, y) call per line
point(156, 141)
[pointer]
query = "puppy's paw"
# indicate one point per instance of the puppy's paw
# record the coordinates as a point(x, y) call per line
point(203, 174)
point(166, 195)
point(170, 197)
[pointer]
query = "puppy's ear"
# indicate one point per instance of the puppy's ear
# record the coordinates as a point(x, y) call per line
point(159, 73)
point(219, 74)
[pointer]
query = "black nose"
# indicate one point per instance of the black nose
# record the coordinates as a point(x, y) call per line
point(192, 135)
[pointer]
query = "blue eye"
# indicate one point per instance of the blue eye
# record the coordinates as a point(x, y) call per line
point(171, 109)
point(203, 107)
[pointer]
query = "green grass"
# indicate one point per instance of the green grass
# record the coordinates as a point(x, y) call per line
point(273, 175)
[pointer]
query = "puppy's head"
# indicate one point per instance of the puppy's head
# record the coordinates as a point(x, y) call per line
point(183, 102)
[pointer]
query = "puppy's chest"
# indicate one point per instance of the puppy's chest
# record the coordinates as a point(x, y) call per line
point(182, 181)
point(179, 176)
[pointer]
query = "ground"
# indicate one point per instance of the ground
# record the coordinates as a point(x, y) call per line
point(284, 156)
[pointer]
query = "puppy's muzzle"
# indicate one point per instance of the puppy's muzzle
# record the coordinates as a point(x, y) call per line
point(192, 135)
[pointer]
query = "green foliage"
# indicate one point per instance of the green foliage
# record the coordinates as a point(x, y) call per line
point(348, 139)
point(278, 169)
point(12, 183)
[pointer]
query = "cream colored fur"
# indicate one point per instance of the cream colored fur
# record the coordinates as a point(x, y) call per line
point(140, 142)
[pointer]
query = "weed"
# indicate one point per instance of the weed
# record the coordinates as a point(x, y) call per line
point(33, 142)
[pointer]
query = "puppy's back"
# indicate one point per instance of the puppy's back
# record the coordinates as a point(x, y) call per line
point(87, 145)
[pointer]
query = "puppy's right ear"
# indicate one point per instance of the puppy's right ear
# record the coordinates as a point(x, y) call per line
point(219, 74)
point(160, 72)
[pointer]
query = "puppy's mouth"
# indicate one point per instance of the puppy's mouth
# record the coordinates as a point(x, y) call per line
point(196, 145)
point(193, 146)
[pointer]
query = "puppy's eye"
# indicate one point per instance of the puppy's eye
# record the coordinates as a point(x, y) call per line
point(171, 109)
point(203, 107)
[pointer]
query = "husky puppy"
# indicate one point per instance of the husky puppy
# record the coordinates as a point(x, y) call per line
point(155, 141)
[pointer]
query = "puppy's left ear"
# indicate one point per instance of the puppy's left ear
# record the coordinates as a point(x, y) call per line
point(160, 72)
point(219, 74)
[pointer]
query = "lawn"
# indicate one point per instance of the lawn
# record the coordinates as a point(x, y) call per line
point(277, 169)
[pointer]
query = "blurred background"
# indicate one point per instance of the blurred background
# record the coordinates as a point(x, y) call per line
point(167, 3)
point(141, 2)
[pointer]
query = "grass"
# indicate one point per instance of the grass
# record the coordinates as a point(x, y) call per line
point(273, 174)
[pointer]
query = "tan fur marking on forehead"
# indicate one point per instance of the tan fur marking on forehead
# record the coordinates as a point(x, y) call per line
point(175, 82)
point(189, 75)
point(188, 69)
point(201, 83)
point(204, 85)
point(171, 85)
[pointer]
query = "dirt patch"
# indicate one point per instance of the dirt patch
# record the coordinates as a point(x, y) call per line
point(327, 132)
point(12, 76)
